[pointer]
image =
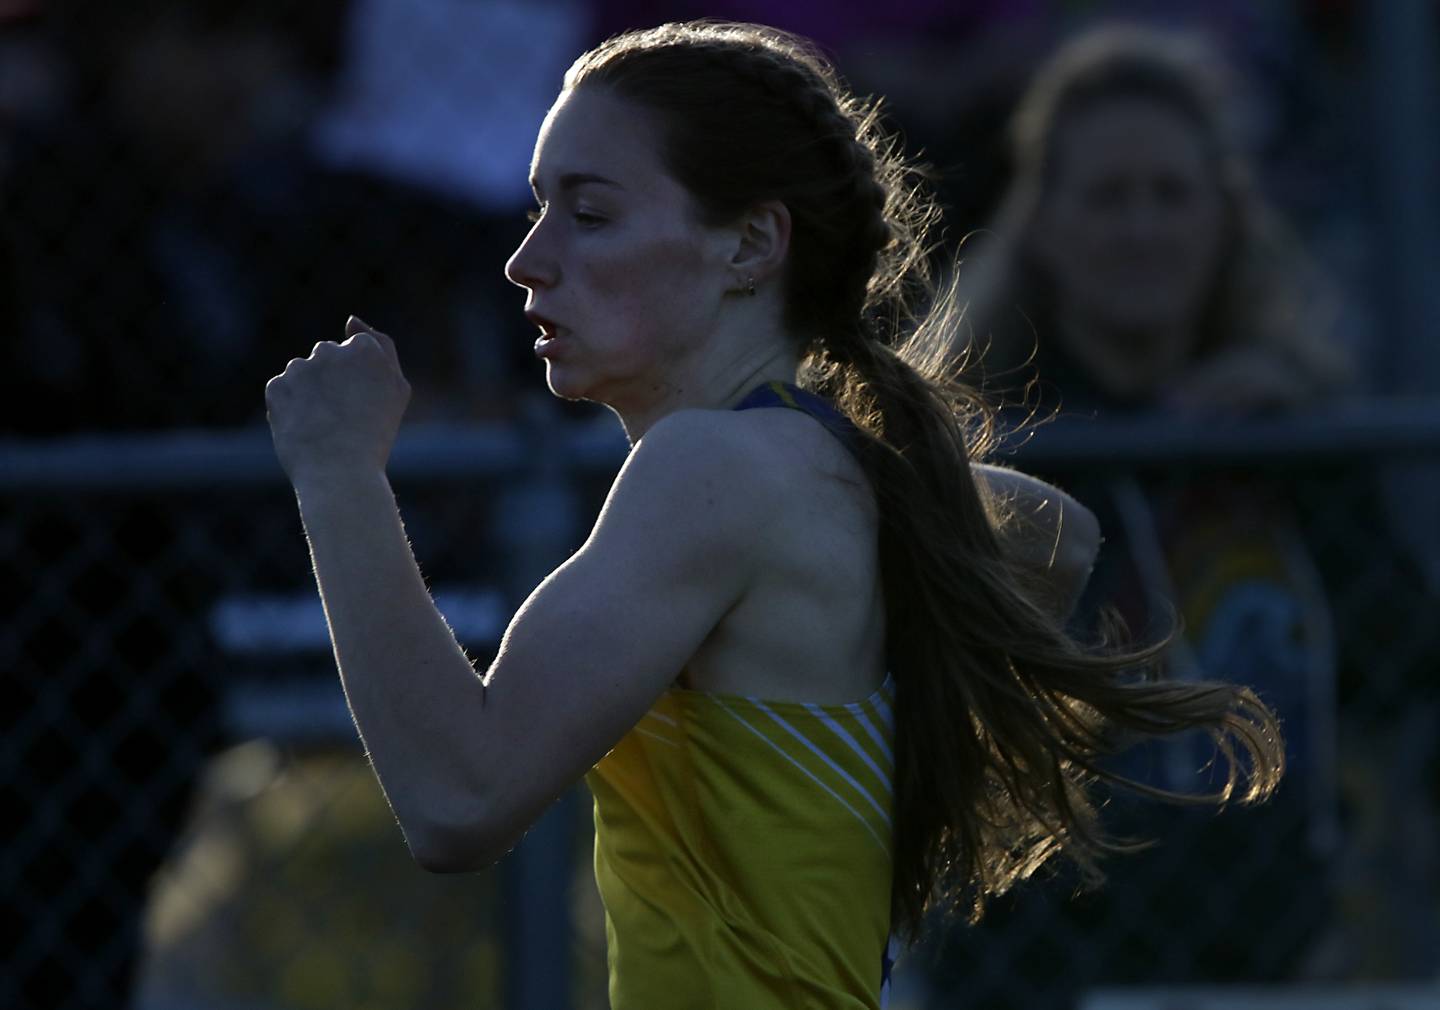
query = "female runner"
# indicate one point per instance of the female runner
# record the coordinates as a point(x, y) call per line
point(813, 692)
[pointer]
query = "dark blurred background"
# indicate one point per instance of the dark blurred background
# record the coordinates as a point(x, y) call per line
point(1198, 240)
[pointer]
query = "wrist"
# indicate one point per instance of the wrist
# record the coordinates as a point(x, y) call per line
point(325, 482)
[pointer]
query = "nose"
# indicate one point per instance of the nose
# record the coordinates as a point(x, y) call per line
point(531, 265)
point(1137, 223)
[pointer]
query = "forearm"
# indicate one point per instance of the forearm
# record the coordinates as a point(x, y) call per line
point(414, 696)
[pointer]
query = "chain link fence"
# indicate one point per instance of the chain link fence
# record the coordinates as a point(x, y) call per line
point(176, 686)
point(193, 192)
point(1273, 545)
point(185, 771)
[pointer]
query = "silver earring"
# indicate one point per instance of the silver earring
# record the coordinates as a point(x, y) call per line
point(750, 286)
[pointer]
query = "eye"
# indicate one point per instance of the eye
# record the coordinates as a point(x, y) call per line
point(587, 220)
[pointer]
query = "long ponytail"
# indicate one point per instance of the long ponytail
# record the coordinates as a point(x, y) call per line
point(1003, 720)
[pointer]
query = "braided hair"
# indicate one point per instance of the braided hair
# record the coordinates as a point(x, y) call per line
point(778, 130)
point(1001, 717)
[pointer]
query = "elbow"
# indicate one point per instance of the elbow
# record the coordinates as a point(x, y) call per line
point(434, 857)
point(1075, 557)
point(452, 852)
point(442, 844)
point(433, 860)
point(1079, 545)
point(1058, 565)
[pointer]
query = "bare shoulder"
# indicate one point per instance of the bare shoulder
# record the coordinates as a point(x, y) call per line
point(739, 453)
point(728, 476)
point(700, 474)
point(684, 431)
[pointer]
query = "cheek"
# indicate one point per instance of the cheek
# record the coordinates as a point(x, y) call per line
point(1200, 232)
point(1072, 245)
point(649, 291)
point(1186, 258)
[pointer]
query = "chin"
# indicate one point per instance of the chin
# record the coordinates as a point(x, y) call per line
point(1155, 313)
point(566, 382)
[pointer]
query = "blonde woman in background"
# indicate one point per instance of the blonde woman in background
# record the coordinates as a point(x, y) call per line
point(1134, 270)
point(1133, 255)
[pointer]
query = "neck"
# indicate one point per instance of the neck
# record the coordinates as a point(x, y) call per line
point(715, 385)
point(1130, 363)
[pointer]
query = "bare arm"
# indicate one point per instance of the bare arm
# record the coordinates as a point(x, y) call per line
point(466, 763)
point(413, 694)
point(1048, 531)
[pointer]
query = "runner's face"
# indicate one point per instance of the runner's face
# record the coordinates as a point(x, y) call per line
point(622, 277)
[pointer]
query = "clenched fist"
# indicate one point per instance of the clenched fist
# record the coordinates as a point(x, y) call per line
point(339, 408)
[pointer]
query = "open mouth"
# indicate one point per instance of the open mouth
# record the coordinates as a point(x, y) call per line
point(550, 332)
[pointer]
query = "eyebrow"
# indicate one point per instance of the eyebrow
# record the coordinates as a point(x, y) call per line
point(571, 180)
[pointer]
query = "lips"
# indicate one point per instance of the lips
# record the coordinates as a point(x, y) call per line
point(551, 334)
point(549, 347)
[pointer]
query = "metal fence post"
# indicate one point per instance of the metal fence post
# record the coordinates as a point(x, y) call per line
point(1405, 101)
point(538, 526)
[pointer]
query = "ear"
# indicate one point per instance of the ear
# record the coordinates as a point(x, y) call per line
point(764, 242)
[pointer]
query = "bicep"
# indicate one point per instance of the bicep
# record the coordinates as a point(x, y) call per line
point(608, 631)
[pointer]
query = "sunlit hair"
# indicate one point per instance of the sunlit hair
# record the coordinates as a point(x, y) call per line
point(1001, 719)
point(1265, 293)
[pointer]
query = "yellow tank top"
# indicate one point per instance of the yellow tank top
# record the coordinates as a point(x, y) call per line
point(743, 854)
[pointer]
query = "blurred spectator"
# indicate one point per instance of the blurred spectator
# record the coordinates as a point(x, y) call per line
point(132, 220)
point(228, 183)
point(181, 210)
point(1134, 269)
point(123, 264)
point(1133, 241)
point(29, 74)
point(424, 152)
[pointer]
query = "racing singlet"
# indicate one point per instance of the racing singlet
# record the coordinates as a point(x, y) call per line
point(743, 845)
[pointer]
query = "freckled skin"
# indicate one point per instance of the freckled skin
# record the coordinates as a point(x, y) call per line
point(628, 273)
